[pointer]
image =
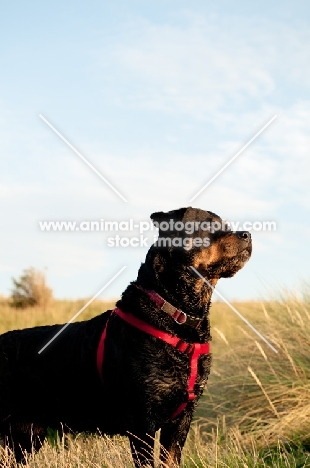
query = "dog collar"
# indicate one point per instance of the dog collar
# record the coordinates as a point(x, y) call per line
point(178, 315)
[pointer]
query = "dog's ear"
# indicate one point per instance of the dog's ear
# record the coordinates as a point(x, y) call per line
point(176, 215)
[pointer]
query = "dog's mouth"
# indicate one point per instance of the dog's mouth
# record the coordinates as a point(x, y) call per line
point(245, 254)
point(227, 267)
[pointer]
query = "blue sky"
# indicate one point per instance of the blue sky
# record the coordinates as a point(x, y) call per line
point(158, 96)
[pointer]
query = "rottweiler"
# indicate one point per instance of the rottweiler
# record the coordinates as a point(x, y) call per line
point(134, 370)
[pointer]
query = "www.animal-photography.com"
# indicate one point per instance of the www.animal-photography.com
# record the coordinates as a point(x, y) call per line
point(154, 268)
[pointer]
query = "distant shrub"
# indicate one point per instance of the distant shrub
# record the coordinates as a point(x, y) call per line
point(30, 290)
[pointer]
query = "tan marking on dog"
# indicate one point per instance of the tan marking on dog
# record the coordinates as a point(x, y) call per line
point(227, 247)
point(207, 256)
point(230, 245)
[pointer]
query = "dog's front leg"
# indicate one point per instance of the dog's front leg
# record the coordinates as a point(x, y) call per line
point(172, 439)
point(142, 449)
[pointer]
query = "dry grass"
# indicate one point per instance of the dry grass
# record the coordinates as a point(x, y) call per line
point(59, 311)
point(256, 408)
point(221, 451)
point(264, 393)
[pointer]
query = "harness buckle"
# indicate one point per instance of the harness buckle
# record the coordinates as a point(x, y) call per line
point(178, 316)
point(184, 347)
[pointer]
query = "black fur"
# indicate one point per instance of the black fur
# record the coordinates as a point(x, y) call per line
point(145, 379)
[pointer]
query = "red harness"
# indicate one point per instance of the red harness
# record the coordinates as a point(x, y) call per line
point(193, 350)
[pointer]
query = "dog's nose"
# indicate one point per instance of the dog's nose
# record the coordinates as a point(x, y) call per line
point(244, 235)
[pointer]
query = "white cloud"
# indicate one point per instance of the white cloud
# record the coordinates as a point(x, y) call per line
point(208, 66)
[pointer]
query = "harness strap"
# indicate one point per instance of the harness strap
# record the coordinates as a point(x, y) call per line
point(100, 349)
point(193, 350)
point(146, 327)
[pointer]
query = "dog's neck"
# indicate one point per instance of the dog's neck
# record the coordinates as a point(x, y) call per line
point(189, 293)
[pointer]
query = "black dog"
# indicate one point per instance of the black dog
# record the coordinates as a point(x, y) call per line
point(134, 370)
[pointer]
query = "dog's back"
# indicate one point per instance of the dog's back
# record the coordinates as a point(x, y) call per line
point(39, 387)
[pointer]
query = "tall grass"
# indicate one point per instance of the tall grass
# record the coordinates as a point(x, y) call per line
point(58, 311)
point(255, 409)
point(264, 393)
point(99, 452)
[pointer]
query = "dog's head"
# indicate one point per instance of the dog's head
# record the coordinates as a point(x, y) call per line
point(193, 237)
